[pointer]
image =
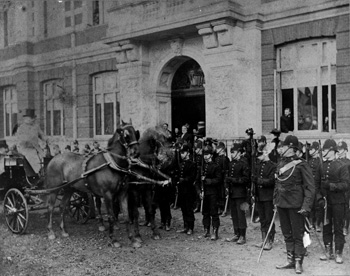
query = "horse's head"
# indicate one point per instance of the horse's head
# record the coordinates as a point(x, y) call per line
point(128, 137)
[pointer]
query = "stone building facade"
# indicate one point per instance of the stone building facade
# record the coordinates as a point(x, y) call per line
point(235, 64)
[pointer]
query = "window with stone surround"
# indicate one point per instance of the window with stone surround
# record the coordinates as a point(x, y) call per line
point(10, 109)
point(53, 106)
point(73, 11)
point(306, 83)
point(106, 105)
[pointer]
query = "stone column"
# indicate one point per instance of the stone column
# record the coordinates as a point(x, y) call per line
point(233, 80)
point(136, 101)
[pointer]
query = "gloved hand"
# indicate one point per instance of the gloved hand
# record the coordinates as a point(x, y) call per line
point(332, 186)
point(325, 184)
point(321, 202)
point(227, 192)
point(201, 195)
point(304, 212)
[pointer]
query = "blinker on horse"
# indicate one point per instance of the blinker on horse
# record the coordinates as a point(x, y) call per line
point(102, 174)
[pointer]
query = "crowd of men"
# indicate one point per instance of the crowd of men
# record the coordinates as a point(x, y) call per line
point(307, 185)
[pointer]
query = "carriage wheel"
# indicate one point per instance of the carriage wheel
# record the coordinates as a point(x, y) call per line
point(79, 207)
point(16, 211)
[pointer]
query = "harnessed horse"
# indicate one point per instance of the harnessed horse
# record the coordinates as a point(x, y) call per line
point(155, 154)
point(102, 174)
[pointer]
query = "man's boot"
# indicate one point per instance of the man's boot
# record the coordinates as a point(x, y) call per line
point(190, 228)
point(290, 261)
point(299, 264)
point(215, 234)
point(339, 256)
point(242, 239)
point(260, 244)
point(167, 225)
point(185, 228)
point(235, 236)
point(206, 232)
point(328, 254)
point(269, 242)
point(162, 225)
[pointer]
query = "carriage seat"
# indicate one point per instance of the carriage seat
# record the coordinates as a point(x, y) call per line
point(19, 161)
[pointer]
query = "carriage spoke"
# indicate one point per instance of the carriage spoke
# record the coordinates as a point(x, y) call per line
point(20, 220)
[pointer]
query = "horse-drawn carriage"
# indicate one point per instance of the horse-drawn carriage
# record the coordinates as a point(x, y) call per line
point(105, 174)
point(23, 191)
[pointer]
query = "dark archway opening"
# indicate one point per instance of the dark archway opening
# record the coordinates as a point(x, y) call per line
point(188, 96)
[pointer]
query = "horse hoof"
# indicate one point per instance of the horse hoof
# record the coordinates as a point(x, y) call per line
point(65, 235)
point(101, 228)
point(52, 237)
point(136, 244)
point(156, 237)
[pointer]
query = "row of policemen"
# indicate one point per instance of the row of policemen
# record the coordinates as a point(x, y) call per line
point(297, 188)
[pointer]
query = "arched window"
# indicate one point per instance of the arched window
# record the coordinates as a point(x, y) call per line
point(306, 84)
point(53, 106)
point(106, 105)
point(10, 109)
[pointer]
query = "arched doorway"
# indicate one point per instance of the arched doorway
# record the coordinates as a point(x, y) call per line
point(187, 95)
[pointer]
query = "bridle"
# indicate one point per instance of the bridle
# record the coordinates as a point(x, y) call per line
point(122, 138)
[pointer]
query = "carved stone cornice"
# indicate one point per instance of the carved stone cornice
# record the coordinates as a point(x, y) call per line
point(126, 51)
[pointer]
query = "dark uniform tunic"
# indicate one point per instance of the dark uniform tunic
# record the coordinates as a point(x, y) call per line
point(346, 162)
point(294, 190)
point(316, 214)
point(222, 161)
point(237, 183)
point(332, 183)
point(210, 187)
point(187, 191)
point(265, 183)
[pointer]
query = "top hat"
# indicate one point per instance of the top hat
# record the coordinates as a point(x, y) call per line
point(342, 145)
point(29, 113)
point(291, 141)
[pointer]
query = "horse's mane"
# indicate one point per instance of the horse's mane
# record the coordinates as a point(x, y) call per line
point(156, 133)
point(112, 140)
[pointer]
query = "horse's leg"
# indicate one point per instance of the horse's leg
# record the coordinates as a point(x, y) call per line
point(63, 207)
point(151, 210)
point(123, 199)
point(111, 218)
point(134, 217)
point(100, 218)
point(51, 199)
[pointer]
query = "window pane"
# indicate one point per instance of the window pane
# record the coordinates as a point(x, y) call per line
point(108, 118)
point(14, 120)
point(68, 22)
point(48, 122)
point(95, 13)
point(307, 108)
point(57, 122)
point(77, 4)
point(7, 124)
point(334, 107)
point(67, 5)
point(78, 19)
point(98, 119)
